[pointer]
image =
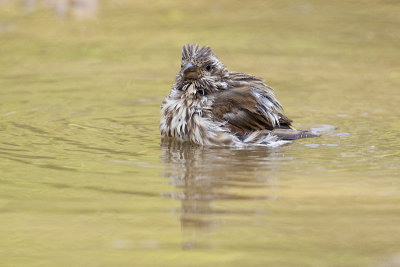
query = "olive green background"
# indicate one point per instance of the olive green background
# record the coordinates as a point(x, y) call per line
point(86, 181)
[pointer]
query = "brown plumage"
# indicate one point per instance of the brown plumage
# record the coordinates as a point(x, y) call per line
point(209, 105)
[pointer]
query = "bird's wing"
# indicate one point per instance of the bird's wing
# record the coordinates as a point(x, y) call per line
point(245, 109)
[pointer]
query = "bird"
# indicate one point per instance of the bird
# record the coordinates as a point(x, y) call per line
point(211, 106)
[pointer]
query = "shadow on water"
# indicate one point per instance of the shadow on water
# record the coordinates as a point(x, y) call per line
point(206, 176)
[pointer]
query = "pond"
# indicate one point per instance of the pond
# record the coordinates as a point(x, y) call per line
point(86, 179)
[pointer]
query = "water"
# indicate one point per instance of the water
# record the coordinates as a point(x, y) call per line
point(86, 180)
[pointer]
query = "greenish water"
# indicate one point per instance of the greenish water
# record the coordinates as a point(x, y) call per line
point(85, 179)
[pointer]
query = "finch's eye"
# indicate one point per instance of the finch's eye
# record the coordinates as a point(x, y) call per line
point(208, 67)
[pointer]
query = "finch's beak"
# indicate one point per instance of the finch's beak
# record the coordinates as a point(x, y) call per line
point(191, 71)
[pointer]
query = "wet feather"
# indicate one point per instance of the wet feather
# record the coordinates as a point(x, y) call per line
point(209, 105)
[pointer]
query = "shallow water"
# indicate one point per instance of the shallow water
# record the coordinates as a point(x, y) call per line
point(86, 180)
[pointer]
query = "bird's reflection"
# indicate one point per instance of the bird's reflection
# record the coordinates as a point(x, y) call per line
point(203, 176)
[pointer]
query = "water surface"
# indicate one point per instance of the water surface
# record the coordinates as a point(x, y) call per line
point(86, 180)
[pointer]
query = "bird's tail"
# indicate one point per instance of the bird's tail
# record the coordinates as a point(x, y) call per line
point(276, 137)
point(293, 134)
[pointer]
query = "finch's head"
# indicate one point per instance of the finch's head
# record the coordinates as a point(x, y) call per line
point(201, 67)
